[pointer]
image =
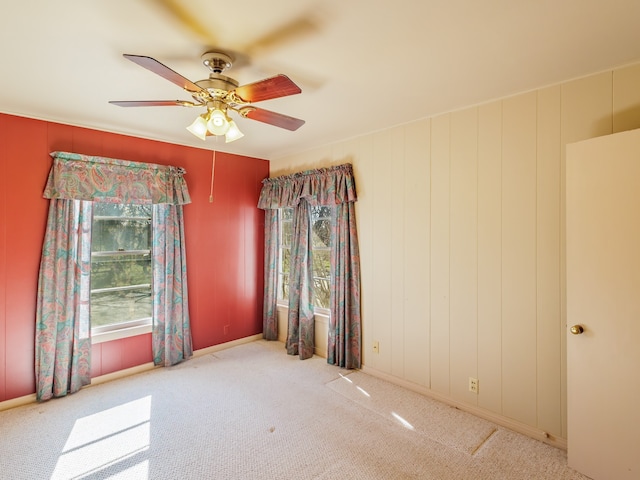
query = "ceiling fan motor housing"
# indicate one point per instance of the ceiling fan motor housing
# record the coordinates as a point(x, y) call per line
point(217, 62)
point(217, 86)
point(217, 82)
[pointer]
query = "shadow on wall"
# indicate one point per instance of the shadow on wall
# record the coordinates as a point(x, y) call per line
point(627, 119)
point(324, 162)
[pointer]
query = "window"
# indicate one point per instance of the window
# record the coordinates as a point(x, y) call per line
point(286, 234)
point(321, 254)
point(120, 266)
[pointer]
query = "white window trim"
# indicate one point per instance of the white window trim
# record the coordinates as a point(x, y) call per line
point(118, 331)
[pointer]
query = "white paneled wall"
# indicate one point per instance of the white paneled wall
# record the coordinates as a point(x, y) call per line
point(519, 258)
point(439, 280)
point(490, 256)
point(549, 332)
point(416, 349)
point(461, 227)
point(463, 253)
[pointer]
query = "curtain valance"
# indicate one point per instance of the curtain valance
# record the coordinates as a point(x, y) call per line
point(324, 186)
point(82, 177)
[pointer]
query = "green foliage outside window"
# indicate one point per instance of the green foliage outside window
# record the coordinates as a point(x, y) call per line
point(120, 263)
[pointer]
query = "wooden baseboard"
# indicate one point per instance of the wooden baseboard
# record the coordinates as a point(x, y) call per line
point(17, 402)
point(501, 420)
point(224, 346)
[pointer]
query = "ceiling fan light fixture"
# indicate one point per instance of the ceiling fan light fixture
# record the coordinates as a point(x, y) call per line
point(218, 123)
point(233, 133)
point(199, 127)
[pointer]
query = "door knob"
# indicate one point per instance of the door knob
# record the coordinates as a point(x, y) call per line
point(577, 329)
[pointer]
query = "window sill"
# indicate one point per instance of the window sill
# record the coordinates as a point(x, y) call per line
point(120, 333)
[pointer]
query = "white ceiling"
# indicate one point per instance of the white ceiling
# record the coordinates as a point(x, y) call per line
point(362, 65)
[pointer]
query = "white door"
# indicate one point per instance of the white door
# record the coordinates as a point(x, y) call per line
point(603, 298)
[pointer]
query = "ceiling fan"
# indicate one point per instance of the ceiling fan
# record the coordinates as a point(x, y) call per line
point(220, 95)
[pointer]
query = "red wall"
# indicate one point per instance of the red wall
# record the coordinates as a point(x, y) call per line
point(224, 242)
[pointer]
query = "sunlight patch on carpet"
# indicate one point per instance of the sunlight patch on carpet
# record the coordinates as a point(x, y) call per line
point(117, 437)
point(424, 416)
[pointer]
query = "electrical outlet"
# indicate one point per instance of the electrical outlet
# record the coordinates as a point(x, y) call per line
point(376, 347)
point(473, 385)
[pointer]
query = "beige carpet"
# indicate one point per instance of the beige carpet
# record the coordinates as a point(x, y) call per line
point(253, 412)
point(423, 416)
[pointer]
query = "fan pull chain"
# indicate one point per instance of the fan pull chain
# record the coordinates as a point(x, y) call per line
point(213, 166)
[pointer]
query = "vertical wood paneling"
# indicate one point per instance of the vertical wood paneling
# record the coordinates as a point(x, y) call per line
point(88, 142)
point(519, 258)
point(111, 356)
point(252, 243)
point(439, 255)
point(490, 256)
point(242, 320)
point(200, 223)
point(549, 325)
point(231, 225)
point(317, 158)
point(382, 248)
point(626, 99)
point(136, 350)
point(26, 212)
point(416, 259)
point(226, 278)
point(59, 138)
point(521, 358)
point(3, 254)
point(586, 107)
point(464, 253)
point(96, 360)
point(233, 246)
point(398, 251)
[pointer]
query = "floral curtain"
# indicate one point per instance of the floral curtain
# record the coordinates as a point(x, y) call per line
point(300, 319)
point(344, 325)
point(63, 342)
point(101, 179)
point(334, 186)
point(271, 250)
point(171, 337)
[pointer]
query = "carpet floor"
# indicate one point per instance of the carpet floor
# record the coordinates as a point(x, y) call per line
point(253, 412)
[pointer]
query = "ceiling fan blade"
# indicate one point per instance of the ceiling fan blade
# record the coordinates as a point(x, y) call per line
point(272, 118)
point(165, 72)
point(175, 10)
point(273, 87)
point(155, 103)
point(291, 32)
